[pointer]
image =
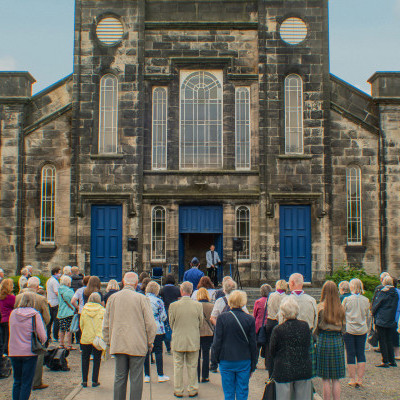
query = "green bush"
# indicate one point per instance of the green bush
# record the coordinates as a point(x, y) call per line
point(346, 273)
point(43, 280)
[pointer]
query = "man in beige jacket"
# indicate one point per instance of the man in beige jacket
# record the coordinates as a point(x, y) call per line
point(186, 319)
point(129, 328)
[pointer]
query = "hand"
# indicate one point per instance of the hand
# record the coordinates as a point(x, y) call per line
point(150, 347)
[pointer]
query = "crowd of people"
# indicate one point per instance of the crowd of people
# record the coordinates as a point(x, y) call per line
point(205, 329)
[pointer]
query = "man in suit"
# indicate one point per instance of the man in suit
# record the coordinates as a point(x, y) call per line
point(213, 261)
point(185, 319)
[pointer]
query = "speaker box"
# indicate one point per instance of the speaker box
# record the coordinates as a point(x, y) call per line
point(237, 244)
point(132, 244)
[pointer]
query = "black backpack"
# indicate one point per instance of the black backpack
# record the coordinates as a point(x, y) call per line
point(226, 308)
point(56, 360)
point(5, 367)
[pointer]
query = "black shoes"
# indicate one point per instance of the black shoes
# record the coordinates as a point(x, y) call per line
point(84, 384)
point(393, 364)
point(95, 384)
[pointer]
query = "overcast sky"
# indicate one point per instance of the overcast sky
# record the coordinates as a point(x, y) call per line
point(37, 36)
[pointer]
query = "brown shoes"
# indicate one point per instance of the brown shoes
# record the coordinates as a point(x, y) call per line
point(40, 387)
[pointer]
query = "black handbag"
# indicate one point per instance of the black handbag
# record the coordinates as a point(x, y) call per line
point(262, 333)
point(270, 390)
point(37, 346)
point(373, 339)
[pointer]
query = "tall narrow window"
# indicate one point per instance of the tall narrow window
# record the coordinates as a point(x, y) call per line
point(108, 115)
point(201, 121)
point(242, 128)
point(293, 114)
point(47, 204)
point(159, 128)
point(158, 234)
point(354, 214)
point(243, 230)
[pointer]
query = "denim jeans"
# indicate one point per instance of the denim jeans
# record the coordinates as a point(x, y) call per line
point(158, 350)
point(23, 371)
point(235, 376)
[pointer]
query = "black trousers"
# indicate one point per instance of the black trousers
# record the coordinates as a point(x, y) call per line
point(212, 273)
point(4, 335)
point(269, 326)
point(204, 353)
point(53, 321)
point(87, 350)
point(158, 351)
point(386, 344)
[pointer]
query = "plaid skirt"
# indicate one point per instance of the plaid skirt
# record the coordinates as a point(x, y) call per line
point(330, 355)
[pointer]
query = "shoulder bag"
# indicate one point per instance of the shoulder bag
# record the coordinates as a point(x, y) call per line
point(241, 327)
point(36, 346)
point(262, 333)
point(98, 342)
point(270, 390)
point(74, 327)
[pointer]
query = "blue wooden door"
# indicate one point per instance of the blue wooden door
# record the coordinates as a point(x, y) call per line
point(106, 242)
point(295, 240)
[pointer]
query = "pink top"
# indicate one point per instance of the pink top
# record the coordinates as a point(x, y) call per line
point(6, 306)
point(258, 312)
point(20, 343)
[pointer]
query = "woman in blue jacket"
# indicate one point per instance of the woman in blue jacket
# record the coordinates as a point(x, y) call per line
point(234, 348)
point(66, 311)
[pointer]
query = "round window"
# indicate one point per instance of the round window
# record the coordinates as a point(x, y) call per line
point(109, 31)
point(293, 30)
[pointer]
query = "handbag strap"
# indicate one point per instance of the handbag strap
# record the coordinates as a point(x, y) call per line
point(265, 313)
point(34, 323)
point(66, 302)
point(208, 322)
point(241, 327)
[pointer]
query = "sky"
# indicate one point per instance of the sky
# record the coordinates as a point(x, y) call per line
point(37, 36)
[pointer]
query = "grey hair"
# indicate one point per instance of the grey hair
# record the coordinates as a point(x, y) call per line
point(67, 270)
point(297, 279)
point(153, 287)
point(65, 280)
point(33, 282)
point(94, 298)
point(387, 280)
point(228, 286)
point(27, 300)
point(289, 308)
point(112, 284)
point(265, 290)
point(187, 287)
point(24, 271)
point(131, 279)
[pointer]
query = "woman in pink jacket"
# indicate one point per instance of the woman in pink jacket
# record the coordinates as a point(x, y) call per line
point(7, 300)
point(20, 345)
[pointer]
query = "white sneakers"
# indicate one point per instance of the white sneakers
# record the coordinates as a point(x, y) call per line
point(161, 378)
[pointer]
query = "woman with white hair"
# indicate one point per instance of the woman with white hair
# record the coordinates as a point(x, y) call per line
point(66, 311)
point(358, 318)
point(91, 323)
point(290, 354)
point(160, 316)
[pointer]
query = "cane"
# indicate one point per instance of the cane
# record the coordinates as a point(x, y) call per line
point(151, 392)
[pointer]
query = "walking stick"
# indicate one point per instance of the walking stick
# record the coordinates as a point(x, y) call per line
point(151, 392)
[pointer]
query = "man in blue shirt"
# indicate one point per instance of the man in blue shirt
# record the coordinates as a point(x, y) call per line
point(193, 274)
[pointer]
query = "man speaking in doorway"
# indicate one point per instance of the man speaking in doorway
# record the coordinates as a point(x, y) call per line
point(213, 261)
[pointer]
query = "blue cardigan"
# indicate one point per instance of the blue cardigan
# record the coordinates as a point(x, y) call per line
point(229, 342)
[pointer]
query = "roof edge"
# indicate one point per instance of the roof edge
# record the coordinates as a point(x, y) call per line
point(378, 74)
point(26, 74)
point(52, 86)
point(350, 86)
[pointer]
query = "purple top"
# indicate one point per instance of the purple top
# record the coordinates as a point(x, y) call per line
point(20, 343)
point(6, 306)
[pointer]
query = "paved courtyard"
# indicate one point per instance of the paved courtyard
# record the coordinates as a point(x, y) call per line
point(379, 384)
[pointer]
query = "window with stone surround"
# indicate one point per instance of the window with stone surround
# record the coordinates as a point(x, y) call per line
point(242, 128)
point(108, 114)
point(201, 120)
point(243, 231)
point(47, 204)
point(293, 114)
point(158, 234)
point(159, 128)
point(354, 206)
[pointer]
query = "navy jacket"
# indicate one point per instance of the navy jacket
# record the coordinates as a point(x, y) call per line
point(169, 293)
point(229, 342)
point(385, 306)
point(193, 275)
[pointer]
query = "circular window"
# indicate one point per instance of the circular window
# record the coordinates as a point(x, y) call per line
point(293, 30)
point(109, 31)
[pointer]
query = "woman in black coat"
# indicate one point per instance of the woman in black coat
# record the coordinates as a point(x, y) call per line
point(290, 354)
point(384, 311)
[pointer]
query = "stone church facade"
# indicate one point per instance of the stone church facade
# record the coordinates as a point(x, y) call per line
point(191, 123)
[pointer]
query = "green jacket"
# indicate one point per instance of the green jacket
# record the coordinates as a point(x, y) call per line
point(65, 308)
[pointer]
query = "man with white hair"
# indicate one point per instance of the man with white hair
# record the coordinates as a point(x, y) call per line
point(42, 306)
point(23, 280)
point(1, 274)
point(129, 328)
point(67, 270)
point(186, 319)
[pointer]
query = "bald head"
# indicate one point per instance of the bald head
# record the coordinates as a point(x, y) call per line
point(131, 279)
point(296, 282)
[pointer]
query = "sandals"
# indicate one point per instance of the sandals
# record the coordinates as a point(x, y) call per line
point(353, 384)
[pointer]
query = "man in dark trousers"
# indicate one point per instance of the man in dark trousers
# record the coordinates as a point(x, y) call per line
point(213, 261)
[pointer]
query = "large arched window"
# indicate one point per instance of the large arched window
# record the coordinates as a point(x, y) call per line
point(108, 114)
point(158, 234)
point(201, 121)
point(159, 128)
point(293, 114)
point(47, 204)
point(242, 128)
point(243, 230)
point(354, 206)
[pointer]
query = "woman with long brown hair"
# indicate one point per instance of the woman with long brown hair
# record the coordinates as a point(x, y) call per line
point(330, 346)
point(93, 286)
point(7, 301)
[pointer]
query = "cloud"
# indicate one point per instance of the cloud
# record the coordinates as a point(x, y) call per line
point(8, 63)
